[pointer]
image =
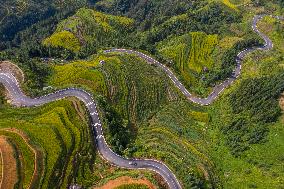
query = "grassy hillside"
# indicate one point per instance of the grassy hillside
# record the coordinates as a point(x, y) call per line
point(237, 142)
point(89, 29)
point(192, 55)
point(248, 149)
point(19, 15)
point(66, 155)
point(143, 102)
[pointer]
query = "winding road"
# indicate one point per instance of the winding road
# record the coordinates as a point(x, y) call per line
point(12, 86)
point(218, 88)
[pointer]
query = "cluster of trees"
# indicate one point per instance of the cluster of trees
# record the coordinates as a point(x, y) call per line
point(229, 60)
point(23, 17)
point(119, 128)
point(281, 3)
point(157, 20)
point(36, 71)
point(255, 106)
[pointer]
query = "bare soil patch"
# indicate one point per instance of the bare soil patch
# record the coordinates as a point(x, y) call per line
point(9, 164)
point(125, 180)
point(38, 156)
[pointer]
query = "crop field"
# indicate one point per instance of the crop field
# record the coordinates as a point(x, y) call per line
point(68, 136)
point(235, 143)
point(136, 90)
point(9, 176)
point(192, 55)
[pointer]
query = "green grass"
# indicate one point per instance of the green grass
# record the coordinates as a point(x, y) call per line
point(141, 93)
point(64, 39)
point(261, 166)
point(88, 26)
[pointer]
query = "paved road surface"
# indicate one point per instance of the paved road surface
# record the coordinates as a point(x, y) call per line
point(12, 86)
point(219, 88)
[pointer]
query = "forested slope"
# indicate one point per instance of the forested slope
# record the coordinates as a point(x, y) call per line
point(237, 142)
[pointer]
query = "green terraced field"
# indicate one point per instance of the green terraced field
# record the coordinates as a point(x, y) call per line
point(136, 90)
point(236, 142)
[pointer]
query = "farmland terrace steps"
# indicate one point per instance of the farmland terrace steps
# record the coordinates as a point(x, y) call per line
point(218, 89)
point(12, 86)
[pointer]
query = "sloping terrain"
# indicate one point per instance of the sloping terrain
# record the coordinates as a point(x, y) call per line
point(236, 142)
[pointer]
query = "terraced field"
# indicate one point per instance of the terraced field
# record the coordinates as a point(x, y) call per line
point(143, 114)
point(191, 55)
point(9, 176)
point(134, 96)
point(135, 90)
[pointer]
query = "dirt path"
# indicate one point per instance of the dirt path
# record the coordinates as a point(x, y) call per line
point(37, 154)
point(9, 165)
point(125, 180)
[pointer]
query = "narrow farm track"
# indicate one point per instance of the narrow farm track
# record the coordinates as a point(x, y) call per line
point(9, 164)
point(12, 86)
point(217, 90)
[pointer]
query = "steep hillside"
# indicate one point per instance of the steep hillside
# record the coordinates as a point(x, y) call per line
point(19, 15)
point(90, 29)
point(139, 106)
point(236, 142)
point(248, 121)
point(191, 54)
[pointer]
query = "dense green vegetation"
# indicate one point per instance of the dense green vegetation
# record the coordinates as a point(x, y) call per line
point(191, 55)
point(247, 121)
point(235, 143)
point(68, 149)
point(254, 106)
point(228, 62)
point(90, 30)
point(135, 93)
point(19, 15)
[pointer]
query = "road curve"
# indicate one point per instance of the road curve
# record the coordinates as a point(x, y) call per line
point(12, 86)
point(218, 88)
